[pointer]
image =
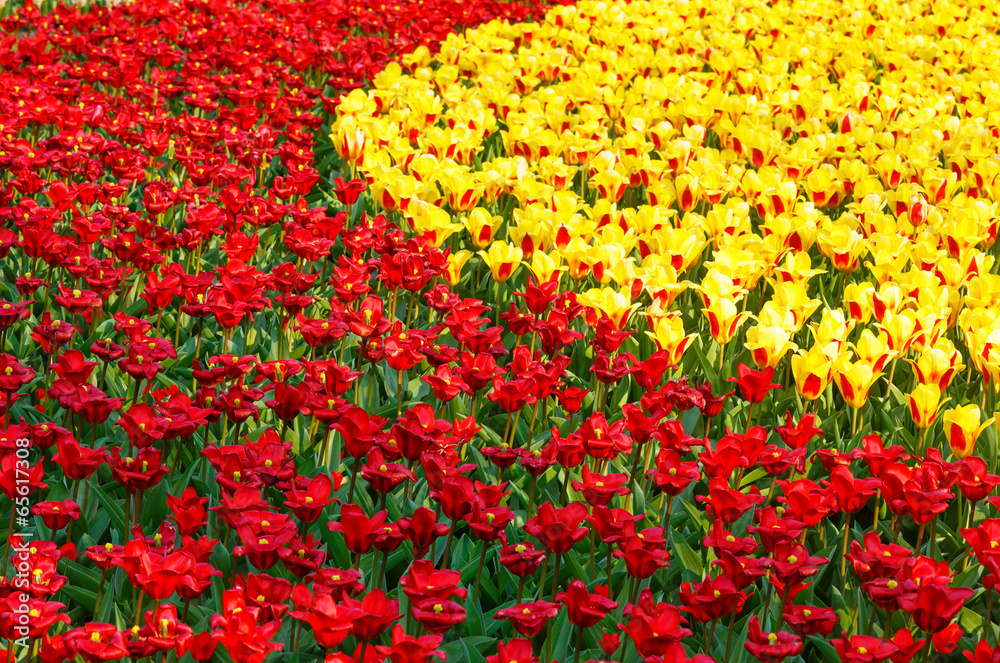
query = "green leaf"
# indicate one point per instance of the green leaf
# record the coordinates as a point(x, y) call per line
point(691, 560)
point(117, 514)
point(828, 653)
point(84, 597)
point(697, 517)
point(706, 365)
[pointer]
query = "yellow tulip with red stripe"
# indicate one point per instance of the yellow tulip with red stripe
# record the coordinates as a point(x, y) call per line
point(768, 344)
point(962, 428)
point(502, 259)
point(812, 371)
point(923, 402)
point(724, 319)
point(854, 379)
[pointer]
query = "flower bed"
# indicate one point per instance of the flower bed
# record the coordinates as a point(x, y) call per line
point(646, 331)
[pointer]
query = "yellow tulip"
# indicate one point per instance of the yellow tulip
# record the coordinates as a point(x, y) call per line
point(546, 267)
point(668, 334)
point(768, 345)
point(349, 139)
point(858, 299)
point(502, 259)
point(481, 226)
point(724, 319)
point(797, 268)
point(688, 192)
point(900, 329)
point(812, 371)
point(923, 402)
point(938, 364)
point(464, 195)
point(833, 327)
point(717, 285)
point(855, 380)
point(616, 306)
point(962, 428)
point(843, 246)
point(611, 184)
point(873, 350)
point(457, 260)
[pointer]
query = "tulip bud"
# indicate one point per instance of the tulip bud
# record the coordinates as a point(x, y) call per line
point(349, 141)
point(457, 260)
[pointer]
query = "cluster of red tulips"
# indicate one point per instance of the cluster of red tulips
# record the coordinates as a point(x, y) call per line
point(244, 418)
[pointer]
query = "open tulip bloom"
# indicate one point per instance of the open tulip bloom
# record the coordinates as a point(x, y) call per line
point(499, 331)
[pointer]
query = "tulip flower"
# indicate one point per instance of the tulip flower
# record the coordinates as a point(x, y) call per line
point(974, 479)
point(863, 648)
point(502, 259)
point(812, 371)
point(724, 319)
point(933, 607)
point(754, 384)
point(481, 226)
point(358, 530)
point(585, 609)
point(409, 649)
point(938, 364)
point(96, 642)
point(770, 647)
point(558, 529)
point(711, 598)
point(529, 619)
point(962, 429)
point(350, 141)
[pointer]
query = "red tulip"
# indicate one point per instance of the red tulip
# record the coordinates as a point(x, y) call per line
point(558, 529)
point(710, 599)
point(974, 479)
point(863, 648)
point(754, 384)
point(438, 615)
point(515, 651)
point(529, 619)
point(933, 606)
point(422, 530)
point(408, 649)
point(770, 647)
point(358, 530)
point(95, 642)
point(585, 609)
point(808, 620)
point(654, 627)
point(599, 489)
point(798, 436)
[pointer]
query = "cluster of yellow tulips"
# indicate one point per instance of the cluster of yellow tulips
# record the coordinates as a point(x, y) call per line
point(834, 161)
